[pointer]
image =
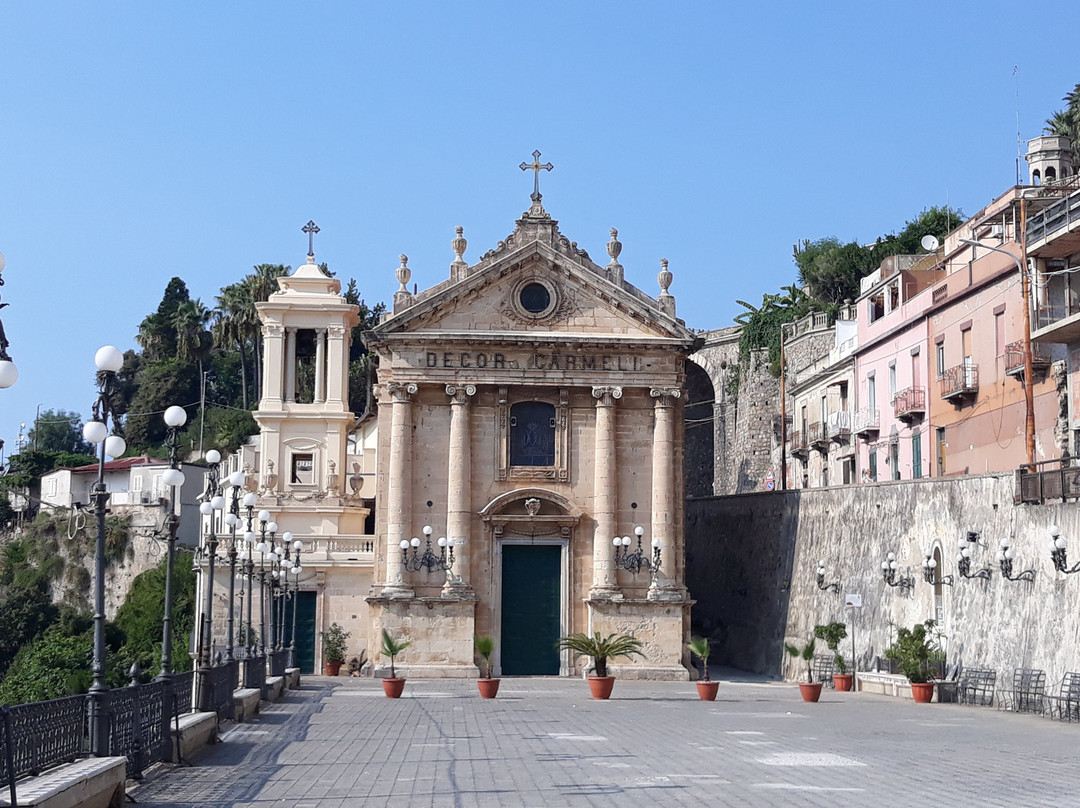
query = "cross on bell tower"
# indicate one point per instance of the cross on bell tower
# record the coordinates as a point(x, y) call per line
point(311, 229)
point(536, 167)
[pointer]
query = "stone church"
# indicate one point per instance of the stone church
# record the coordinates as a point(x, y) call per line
point(524, 478)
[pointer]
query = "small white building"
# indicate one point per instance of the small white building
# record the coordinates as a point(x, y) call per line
point(135, 488)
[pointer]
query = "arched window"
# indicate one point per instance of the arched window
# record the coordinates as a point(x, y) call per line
point(532, 434)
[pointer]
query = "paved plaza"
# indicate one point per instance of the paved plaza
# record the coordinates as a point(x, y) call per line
point(544, 742)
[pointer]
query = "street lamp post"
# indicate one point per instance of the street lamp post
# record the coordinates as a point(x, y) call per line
point(9, 374)
point(109, 360)
point(296, 570)
point(232, 519)
point(175, 417)
point(212, 501)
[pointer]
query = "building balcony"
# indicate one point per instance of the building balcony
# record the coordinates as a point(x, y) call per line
point(839, 426)
point(1014, 358)
point(817, 435)
point(866, 422)
point(799, 446)
point(909, 404)
point(959, 381)
point(1047, 481)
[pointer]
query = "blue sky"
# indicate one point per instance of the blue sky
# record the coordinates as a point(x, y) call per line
point(139, 141)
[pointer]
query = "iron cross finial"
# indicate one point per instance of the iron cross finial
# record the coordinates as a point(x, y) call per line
point(311, 229)
point(536, 167)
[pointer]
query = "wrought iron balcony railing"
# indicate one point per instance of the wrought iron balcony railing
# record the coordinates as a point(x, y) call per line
point(959, 381)
point(1014, 357)
point(866, 421)
point(909, 403)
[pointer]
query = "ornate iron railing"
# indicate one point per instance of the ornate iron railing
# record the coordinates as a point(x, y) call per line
point(139, 725)
point(866, 421)
point(41, 735)
point(277, 662)
point(909, 402)
point(183, 685)
point(1039, 482)
point(216, 685)
point(255, 672)
point(1014, 357)
point(962, 380)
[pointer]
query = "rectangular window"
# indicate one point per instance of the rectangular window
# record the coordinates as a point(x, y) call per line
point(303, 469)
point(532, 434)
point(871, 391)
point(894, 460)
point(916, 456)
point(873, 465)
point(999, 333)
point(941, 445)
point(892, 379)
point(940, 359)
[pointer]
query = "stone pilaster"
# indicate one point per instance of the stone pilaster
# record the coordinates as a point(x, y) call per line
point(663, 491)
point(604, 492)
point(273, 365)
point(458, 491)
point(399, 485)
point(337, 366)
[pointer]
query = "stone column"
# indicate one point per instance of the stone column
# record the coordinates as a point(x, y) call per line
point(458, 491)
point(320, 366)
point(290, 365)
point(399, 485)
point(605, 483)
point(663, 490)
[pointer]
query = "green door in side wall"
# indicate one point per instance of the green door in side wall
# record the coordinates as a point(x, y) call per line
point(305, 632)
point(530, 609)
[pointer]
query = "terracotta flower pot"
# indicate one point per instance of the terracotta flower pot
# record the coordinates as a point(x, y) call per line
point(488, 687)
point(922, 692)
point(393, 688)
point(707, 690)
point(331, 668)
point(601, 686)
point(843, 681)
point(811, 691)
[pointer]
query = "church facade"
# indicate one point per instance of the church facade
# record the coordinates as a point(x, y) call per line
point(527, 476)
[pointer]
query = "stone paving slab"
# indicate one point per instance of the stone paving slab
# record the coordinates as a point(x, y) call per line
point(544, 742)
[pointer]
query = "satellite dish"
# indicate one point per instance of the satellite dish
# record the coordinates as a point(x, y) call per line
point(930, 243)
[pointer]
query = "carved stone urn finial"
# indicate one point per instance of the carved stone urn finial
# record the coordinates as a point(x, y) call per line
point(664, 278)
point(403, 273)
point(532, 506)
point(459, 244)
point(614, 247)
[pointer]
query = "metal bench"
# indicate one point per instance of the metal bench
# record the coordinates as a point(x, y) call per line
point(1028, 694)
point(1066, 704)
point(976, 686)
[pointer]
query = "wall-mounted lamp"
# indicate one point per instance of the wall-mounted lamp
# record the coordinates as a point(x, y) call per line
point(633, 562)
point(1005, 559)
point(963, 558)
point(428, 560)
point(835, 587)
point(1057, 553)
point(929, 571)
point(888, 571)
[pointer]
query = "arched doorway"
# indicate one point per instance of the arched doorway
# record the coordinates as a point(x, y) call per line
point(532, 536)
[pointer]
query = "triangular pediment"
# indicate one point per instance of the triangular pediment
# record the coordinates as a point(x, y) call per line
point(536, 285)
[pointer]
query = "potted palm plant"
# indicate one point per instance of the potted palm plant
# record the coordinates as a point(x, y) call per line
point(912, 652)
point(334, 646)
point(810, 690)
point(392, 686)
point(832, 634)
point(488, 686)
point(706, 688)
point(601, 649)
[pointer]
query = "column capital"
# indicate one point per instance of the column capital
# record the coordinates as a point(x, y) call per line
point(665, 396)
point(460, 393)
point(400, 391)
point(336, 330)
point(273, 329)
point(607, 395)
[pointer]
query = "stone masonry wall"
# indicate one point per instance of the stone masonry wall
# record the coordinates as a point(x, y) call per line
point(752, 562)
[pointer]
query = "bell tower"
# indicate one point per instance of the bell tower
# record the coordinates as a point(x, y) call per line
point(1050, 158)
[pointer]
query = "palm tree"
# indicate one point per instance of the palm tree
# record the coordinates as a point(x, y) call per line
point(601, 648)
point(260, 285)
point(229, 329)
point(1066, 122)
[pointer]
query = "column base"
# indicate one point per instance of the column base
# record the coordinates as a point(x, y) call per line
point(441, 631)
point(606, 592)
point(661, 626)
point(665, 592)
point(396, 591)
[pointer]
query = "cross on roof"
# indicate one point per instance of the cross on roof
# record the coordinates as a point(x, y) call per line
point(311, 229)
point(536, 167)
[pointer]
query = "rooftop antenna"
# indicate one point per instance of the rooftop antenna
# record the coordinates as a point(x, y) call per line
point(1016, 84)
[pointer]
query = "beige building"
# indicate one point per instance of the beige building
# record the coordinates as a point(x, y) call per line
point(530, 412)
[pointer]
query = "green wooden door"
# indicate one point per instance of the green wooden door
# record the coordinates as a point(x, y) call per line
point(305, 632)
point(530, 609)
